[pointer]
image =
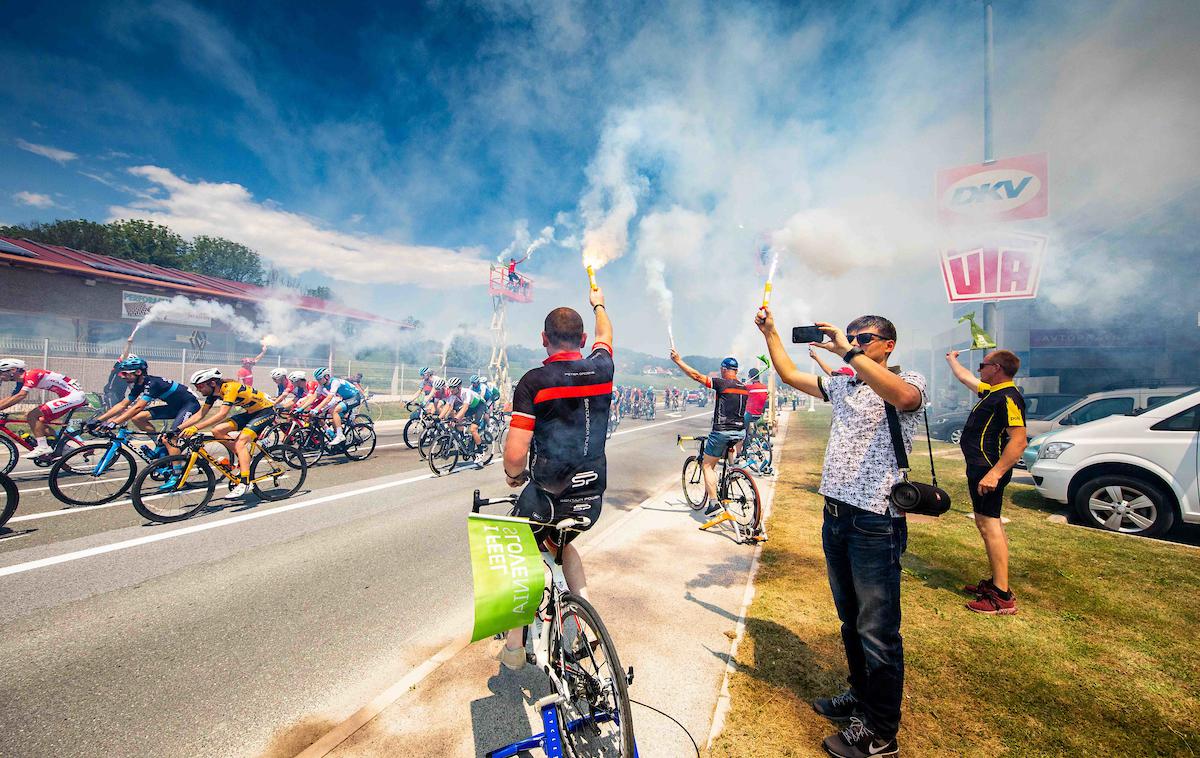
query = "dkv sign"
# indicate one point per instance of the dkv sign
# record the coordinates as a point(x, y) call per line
point(1006, 268)
point(1004, 190)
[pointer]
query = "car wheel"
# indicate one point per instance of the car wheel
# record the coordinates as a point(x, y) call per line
point(1126, 505)
point(956, 436)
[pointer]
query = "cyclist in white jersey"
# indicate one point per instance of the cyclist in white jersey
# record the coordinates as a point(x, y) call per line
point(68, 396)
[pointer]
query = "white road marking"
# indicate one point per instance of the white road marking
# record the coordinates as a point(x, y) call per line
point(148, 539)
point(76, 484)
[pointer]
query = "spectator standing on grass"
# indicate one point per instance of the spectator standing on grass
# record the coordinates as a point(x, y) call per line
point(993, 439)
point(863, 535)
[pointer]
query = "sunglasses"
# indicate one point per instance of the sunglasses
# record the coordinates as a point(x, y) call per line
point(982, 366)
point(864, 338)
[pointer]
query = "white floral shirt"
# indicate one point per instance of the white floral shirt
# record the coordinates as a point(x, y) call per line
point(860, 463)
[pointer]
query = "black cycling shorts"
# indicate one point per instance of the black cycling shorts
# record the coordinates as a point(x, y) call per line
point(177, 413)
point(989, 504)
point(539, 505)
point(254, 422)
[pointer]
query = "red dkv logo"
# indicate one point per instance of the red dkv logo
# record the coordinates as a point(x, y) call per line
point(1004, 190)
point(1005, 268)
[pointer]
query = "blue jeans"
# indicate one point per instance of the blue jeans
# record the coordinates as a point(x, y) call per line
point(862, 557)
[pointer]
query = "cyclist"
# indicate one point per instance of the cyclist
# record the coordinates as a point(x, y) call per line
point(114, 388)
point(68, 396)
point(756, 403)
point(560, 413)
point(729, 419)
point(283, 385)
point(340, 396)
point(236, 433)
point(177, 403)
point(299, 387)
point(466, 405)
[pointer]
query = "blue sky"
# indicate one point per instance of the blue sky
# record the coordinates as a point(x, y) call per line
point(390, 151)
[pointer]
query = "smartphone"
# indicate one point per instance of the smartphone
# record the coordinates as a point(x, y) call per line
point(802, 335)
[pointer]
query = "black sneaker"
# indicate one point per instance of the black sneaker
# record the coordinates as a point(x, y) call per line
point(858, 741)
point(841, 707)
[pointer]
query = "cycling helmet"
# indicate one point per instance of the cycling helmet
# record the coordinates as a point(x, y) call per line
point(133, 363)
point(320, 373)
point(296, 376)
point(474, 378)
point(424, 370)
point(440, 384)
point(278, 373)
point(730, 363)
point(205, 374)
point(12, 364)
point(455, 382)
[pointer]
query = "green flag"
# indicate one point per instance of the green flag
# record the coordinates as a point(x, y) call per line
point(979, 338)
point(507, 567)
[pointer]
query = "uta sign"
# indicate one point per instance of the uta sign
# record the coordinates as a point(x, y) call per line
point(1007, 267)
point(1004, 190)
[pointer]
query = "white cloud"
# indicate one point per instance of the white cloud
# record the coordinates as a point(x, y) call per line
point(53, 153)
point(35, 199)
point(294, 242)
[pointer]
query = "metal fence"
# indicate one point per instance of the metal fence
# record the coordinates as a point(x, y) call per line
point(90, 363)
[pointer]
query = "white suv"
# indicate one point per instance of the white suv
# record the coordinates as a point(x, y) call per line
point(1135, 474)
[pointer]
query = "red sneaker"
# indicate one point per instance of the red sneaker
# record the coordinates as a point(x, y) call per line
point(984, 586)
point(990, 603)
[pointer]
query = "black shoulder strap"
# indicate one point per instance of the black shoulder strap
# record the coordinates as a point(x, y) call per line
point(898, 440)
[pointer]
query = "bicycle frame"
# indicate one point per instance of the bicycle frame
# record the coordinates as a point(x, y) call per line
point(744, 533)
point(60, 439)
point(197, 451)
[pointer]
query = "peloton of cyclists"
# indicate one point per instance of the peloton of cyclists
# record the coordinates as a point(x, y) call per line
point(67, 396)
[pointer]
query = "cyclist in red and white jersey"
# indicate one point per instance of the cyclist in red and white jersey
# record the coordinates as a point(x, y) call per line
point(68, 396)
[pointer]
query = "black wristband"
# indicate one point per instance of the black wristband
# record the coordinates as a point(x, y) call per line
point(852, 353)
point(598, 305)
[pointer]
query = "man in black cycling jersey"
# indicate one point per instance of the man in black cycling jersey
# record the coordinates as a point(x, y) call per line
point(143, 389)
point(558, 429)
point(729, 419)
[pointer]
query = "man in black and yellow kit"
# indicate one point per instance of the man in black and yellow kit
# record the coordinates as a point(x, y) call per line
point(993, 439)
point(235, 432)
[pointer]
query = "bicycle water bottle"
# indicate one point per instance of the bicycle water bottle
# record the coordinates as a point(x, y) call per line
point(328, 433)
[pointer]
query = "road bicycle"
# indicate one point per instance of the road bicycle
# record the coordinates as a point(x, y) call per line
point(11, 441)
point(455, 443)
point(297, 429)
point(497, 428)
point(179, 486)
point(614, 420)
point(10, 496)
point(100, 471)
point(415, 427)
point(737, 494)
point(569, 642)
point(313, 435)
point(758, 455)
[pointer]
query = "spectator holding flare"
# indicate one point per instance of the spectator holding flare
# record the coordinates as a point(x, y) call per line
point(863, 535)
point(729, 420)
point(993, 439)
point(245, 374)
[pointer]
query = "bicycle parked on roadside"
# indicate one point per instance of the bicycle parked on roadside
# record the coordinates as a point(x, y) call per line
point(758, 453)
point(569, 642)
point(736, 491)
point(179, 486)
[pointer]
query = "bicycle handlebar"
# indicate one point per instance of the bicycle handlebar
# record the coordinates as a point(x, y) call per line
point(567, 524)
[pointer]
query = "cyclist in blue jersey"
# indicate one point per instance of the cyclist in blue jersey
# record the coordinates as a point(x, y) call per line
point(339, 396)
point(177, 402)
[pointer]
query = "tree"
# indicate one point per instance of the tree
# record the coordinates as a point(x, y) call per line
point(217, 256)
point(77, 233)
point(465, 352)
point(148, 242)
point(321, 291)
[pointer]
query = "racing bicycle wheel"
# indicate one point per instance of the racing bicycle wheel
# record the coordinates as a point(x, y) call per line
point(596, 719)
point(693, 483)
point(428, 437)
point(286, 467)
point(10, 496)
point(443, 454)
point(8, 455)
point(744, 502)
point(413, 429)
point(162, 493)
point(92, 474)
point(360, 441)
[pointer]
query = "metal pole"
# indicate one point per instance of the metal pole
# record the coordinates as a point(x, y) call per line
point(987, 82)
point(46, 354)
point(812, 401)
point(183, 364)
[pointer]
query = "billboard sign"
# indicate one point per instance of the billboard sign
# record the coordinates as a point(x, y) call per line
point(136, 305)
point(1005, 190)
point(1007, 267)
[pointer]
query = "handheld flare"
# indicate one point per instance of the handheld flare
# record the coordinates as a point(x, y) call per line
point(592, 277)
point(671, 336)
point(770, 279)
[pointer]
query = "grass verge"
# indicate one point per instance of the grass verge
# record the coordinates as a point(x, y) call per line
point(1102, 658)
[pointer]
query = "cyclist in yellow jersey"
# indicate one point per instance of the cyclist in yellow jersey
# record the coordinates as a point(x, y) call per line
point(237, 432)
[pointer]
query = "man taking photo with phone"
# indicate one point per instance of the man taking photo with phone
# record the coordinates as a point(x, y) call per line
point(863, 534)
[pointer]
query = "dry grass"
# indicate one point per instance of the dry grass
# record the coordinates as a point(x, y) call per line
point(1101, 660)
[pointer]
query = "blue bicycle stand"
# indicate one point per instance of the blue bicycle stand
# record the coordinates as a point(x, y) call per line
point(549, 741)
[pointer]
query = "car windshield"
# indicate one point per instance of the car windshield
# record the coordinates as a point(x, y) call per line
point(1157, 400)
point(1045, 406)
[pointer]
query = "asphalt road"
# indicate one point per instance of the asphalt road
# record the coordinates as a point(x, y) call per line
point(217, 635)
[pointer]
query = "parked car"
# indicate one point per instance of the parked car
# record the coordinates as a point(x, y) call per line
point(692, 397)
point(1135, 474)
point(948, 426)
point(1092, 408)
